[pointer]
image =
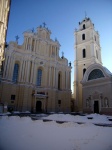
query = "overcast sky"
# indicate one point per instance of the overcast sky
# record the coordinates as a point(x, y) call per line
point(62, 17)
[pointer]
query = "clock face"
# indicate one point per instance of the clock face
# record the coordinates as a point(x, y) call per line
point(96, 73)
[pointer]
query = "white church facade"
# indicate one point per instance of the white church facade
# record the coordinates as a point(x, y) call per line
point(35, 78)
point(92, 81)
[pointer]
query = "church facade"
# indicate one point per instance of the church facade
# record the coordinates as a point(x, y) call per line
point(92, 81)
point(35, 78)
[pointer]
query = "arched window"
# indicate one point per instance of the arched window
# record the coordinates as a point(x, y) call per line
point(83, 53)
point(83, 36)
point(84, 70)
point(83, 26)
point(15, 73)
point(39, 77)
point(96, 73)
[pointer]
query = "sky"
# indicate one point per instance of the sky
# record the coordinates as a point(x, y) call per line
point(62, 18)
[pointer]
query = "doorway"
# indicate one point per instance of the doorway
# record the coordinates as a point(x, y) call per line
point(38, 106)
point(96, 106)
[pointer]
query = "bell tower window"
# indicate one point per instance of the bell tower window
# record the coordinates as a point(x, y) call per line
point(83, 36)
point(83, 26)
point(83, 53)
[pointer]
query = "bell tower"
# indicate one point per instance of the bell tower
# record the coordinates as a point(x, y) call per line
point(87, 52)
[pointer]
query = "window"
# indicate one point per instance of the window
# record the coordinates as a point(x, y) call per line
point(15, 73)
point(13, 97)
point(83, 26)
point(39, 77)
point(83, 53)
point(84, 70)
point(83, 36)
point(96, 73)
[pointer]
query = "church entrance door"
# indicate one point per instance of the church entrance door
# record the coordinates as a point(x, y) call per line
point(38, 106)
point(96, 106)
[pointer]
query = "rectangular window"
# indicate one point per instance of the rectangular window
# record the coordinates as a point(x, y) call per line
point(13, 97)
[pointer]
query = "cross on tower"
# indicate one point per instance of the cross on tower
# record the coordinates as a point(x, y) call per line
point(44, 24)
point(17, 37)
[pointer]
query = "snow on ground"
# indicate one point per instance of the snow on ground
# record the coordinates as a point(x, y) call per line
point(26, 134)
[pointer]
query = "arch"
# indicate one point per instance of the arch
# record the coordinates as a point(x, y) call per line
point(96, 73)
point(15, 73)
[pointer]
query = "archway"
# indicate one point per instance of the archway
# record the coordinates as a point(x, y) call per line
point(38, 106)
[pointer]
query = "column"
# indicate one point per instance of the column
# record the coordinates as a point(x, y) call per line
point(8, 66)
point(35, 42)
point(37, 46)
point(31, 78)
point(28, 71)
point(54, 77)
point(49, 75)
point(35, 73)
point(25, 71)
point(69, 79)
point(20, 71)
point(12, 68)
point(5, 67)
point(65, 81)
